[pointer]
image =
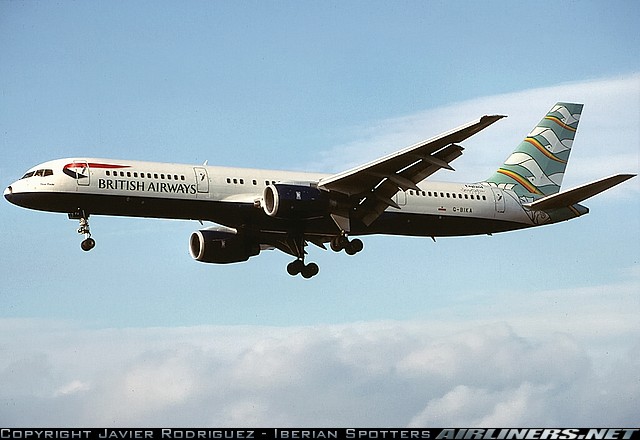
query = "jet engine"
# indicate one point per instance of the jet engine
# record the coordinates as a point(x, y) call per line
point(294, 201)
point(221, 245)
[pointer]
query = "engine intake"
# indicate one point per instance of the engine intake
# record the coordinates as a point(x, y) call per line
point(294, 201)
point(221, 245)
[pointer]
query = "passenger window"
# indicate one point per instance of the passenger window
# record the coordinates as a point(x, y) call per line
point(228, 180)
point(484, 197)
point(241, 181)
point(466, 196)
point(128, 173)
point(181, 177)
point(108, 173)
point(255, 182)
point(169, 176)
point(162, 176)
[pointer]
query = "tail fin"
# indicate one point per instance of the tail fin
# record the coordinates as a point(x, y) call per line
point(537, 165)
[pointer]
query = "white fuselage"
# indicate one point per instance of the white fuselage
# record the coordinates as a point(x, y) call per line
point(232, 197)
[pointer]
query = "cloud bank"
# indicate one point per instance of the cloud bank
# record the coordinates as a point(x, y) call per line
point(485, 372)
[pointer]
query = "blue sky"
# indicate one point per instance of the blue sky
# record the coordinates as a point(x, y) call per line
point(318, 87)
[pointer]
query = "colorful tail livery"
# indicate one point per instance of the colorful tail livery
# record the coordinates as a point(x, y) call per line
point(537, 165)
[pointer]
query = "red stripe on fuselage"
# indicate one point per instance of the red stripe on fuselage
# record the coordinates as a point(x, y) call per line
point(94, 165)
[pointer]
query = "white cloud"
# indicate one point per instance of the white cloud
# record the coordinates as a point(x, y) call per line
point(72, 387)
point(608, 139)
point(502, 370)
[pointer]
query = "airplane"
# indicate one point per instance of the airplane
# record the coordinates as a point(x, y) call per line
point(256, 209)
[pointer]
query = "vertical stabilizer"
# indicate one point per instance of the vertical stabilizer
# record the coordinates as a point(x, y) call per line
point(537, 165)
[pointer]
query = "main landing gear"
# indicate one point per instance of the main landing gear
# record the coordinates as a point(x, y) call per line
point(342, 242)
point(296, 247)
point(299, 267)
point(88, 243)
point(338, 243)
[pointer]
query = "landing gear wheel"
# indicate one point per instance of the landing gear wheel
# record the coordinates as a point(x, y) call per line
point(310, 270)
point(354, 246)
point(306, 270)
point(297, 244)
point(88, 244)
point(337, 243)
point(295, 267)
point(342, 242)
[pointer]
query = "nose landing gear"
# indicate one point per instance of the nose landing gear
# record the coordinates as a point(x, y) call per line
point(88, 243)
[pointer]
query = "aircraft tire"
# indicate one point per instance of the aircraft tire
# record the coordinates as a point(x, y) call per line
point(336, 244)
point(310, 270)
point(356, 245)
point(295, 267)
point(88, 244)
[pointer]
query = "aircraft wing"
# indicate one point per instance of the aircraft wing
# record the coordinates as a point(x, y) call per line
point(376, 182)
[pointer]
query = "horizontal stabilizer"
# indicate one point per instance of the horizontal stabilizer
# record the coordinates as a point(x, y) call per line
point(576, 195)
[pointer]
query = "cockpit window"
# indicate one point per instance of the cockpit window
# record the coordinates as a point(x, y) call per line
point(40, 173)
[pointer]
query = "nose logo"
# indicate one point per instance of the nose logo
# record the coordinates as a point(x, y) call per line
point(76, 170)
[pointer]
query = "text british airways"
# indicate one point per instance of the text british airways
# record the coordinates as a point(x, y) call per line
point(138, 185)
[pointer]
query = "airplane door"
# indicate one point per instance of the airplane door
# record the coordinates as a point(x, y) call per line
point(82, 172)
point(202, 179)
point(498, 196)
point(401, 198)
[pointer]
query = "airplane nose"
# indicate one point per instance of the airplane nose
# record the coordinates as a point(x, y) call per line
point(8, 193)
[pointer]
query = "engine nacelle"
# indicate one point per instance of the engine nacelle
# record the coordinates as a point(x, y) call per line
point(284, 200)
point(221, 245)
